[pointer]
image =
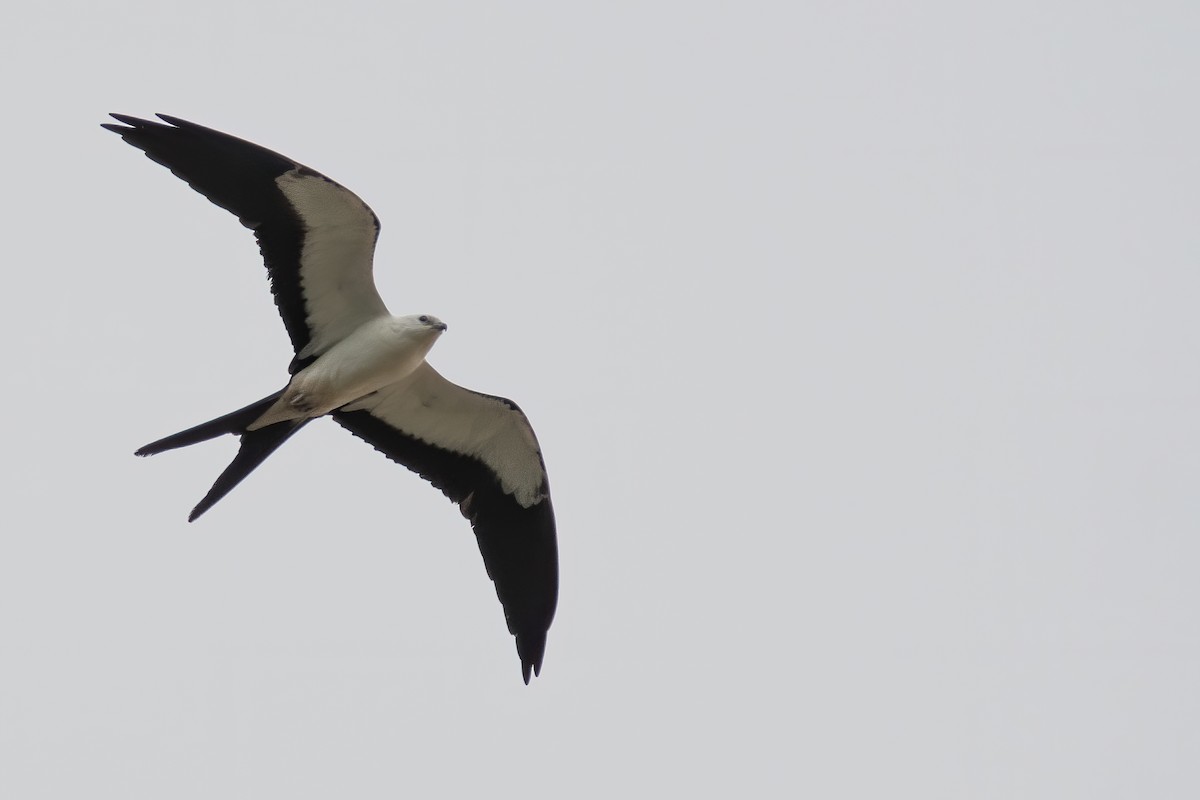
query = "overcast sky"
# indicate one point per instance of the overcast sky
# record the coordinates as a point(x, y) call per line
point(861, 340)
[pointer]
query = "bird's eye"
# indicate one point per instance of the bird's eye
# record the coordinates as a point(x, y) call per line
point(424, 319)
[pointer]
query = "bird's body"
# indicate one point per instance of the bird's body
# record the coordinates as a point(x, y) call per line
point(356, 362)
point(378, 353)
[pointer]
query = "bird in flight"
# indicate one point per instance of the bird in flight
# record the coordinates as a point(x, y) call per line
point(356, 362)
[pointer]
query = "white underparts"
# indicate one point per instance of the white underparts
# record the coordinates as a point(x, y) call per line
point(379, 353)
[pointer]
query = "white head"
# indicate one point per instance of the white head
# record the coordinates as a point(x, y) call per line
point(427, 321)
point(419, 331)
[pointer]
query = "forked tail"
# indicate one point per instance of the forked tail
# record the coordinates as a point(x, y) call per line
point(254, 448)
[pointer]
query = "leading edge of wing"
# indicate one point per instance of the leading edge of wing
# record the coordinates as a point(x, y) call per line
point(316, 237)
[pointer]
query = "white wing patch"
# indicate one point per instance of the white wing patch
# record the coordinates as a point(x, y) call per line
point(335, 263)
point(433, 409)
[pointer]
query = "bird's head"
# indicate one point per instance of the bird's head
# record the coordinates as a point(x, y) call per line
point(429, 321)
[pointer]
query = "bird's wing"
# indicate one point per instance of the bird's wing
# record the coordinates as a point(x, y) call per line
point(481, 452)
point(317, 237)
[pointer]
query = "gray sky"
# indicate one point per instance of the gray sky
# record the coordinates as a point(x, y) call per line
point(860, 339)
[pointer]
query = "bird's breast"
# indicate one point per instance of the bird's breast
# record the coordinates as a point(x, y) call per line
point(379, 353)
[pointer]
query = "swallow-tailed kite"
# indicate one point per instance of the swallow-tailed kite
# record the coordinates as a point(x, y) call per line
point(356, 362)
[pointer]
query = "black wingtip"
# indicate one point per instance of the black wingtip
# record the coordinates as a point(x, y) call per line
point(136, 123)
point(176, 121)
point(126, 119)
point(531, 666)
point(531, 647)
